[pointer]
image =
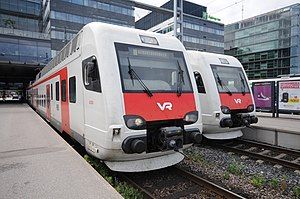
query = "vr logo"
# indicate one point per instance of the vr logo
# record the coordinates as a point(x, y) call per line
point(238, 101)
point(165, 105)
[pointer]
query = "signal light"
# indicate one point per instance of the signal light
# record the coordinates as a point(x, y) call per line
point(191, 117)
point(135, 122)
point(225, 110)
point(250, 108)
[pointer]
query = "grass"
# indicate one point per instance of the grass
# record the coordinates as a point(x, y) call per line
point(226, 175)
point(235, 168)
point(197, 158)
point(296, 191)
point(274, 183)
point(127, 191)
point(258, 181)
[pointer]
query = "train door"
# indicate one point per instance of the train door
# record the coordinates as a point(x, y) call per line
point(94, 115)
point(65, 118)
point(203, 96)
point(48, 105)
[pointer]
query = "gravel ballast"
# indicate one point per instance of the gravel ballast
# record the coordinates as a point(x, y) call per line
point(245, 176)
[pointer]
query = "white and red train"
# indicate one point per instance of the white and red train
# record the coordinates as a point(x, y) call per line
point(124, 94)
point(227, 103)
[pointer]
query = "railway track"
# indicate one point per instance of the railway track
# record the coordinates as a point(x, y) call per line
point(273, 154)
point(175, 182)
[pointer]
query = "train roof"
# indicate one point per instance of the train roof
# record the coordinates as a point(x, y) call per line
point(109, 32)
point(214, 58)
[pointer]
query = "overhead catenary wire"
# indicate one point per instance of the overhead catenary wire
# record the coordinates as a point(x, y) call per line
point(211, 2)
point(228, 6)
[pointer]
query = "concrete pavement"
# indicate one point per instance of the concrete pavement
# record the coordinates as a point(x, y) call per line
point(35, 162)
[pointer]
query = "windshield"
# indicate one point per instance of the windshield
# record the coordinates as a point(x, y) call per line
point(230, 79)
point(159, 70)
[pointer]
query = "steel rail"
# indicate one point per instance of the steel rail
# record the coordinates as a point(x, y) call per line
point(208, 184)
point(214, 188)
point(270, 147)
point(285, 163)
point(145, 193)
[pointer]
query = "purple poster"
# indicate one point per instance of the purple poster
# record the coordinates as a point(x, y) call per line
point(262, 93)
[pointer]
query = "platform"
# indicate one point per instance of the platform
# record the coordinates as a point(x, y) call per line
point(35, 162)
point(280, 123)
point(283, 131)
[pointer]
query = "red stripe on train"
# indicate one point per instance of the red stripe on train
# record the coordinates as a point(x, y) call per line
point(236, 100)
point(65, 116)
point(161, 106)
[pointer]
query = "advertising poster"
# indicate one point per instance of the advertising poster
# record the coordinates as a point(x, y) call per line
point(289, 95)
point(262, 93)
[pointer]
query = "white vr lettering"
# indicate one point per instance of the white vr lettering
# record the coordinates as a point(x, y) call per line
point(165, 105)
point(238, 101)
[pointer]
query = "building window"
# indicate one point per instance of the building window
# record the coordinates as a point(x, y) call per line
point(63, 90)
point(72, 89)
point(57, 91)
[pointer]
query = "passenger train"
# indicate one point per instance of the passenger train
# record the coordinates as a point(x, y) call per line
point(124, 94)
point(227, 103)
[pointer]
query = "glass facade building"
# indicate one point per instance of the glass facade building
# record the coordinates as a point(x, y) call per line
point(62, 24)
point(198, 32)
point(267, 45)
point(33, 31)
point(21, 39)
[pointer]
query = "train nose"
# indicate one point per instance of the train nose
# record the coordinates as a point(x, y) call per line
point(246, 121)
point(253, 119)
point(170, 138)
point(226, 122)
point(196, 137)
point(138, 146)
point(134, 145)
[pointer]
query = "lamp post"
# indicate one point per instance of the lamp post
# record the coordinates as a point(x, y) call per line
point(178, 19)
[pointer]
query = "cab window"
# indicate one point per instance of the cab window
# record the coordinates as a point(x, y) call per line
point(91, 76)
point(199, 82)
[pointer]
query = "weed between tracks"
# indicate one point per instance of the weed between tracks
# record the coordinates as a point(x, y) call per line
point(242, 175)
point(127, 191)
point(296, 191)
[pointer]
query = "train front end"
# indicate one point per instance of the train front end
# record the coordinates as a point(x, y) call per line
point(227, 104)
point(159, 105)
point(151, 113)
point(236, 101)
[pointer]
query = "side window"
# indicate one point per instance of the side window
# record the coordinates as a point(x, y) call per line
point(57, 91)
point(90, 72)
point(199, 82)
point(63, 90)
point(72, 89)
point(51, 92)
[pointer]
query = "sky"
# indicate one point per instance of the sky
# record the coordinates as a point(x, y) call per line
point(229, 11)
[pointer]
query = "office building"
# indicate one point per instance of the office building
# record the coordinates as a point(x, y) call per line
point(21, 40)
point(199, 33)
point(267, 45)
point(33, 31)
point(62, 24)
point(24, 48)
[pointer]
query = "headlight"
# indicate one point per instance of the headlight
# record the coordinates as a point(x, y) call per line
point(250, 108)
point(225, 110)
point(135, 122)
point(191, 117)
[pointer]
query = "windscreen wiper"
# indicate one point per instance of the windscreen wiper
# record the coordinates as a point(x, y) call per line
point(223, 86)
point(133, 75)
point(243, 83)
point(180, 79)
